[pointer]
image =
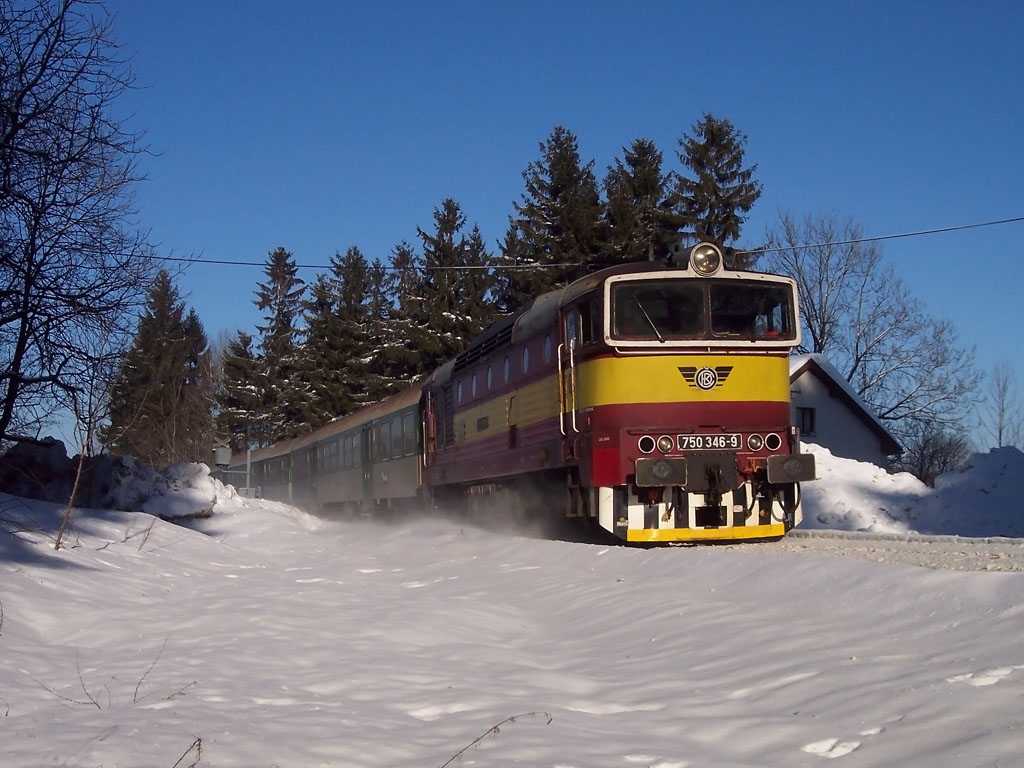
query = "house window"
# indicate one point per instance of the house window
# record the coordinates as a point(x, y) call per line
point(805, 420)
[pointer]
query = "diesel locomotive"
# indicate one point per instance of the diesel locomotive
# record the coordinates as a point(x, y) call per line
point(648, 399)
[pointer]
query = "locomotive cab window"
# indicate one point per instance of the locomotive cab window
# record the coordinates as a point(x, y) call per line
point(658, 310)
point(680, 310)
point(753, 311)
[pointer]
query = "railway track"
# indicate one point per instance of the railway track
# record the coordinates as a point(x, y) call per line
point(955, 553)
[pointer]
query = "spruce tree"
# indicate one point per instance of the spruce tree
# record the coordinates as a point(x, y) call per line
point(401, 360)
point(353, 281)
point(639, 220)
point(323, 355)
point(346, 330)
point(556, 224)
point(239, 418)
point(712, 202)
point(456, 287)
point(379, 306)
point(198, 390)
point(162, 398)
point(284, 397)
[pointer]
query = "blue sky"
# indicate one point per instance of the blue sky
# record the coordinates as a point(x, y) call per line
point(321, 125)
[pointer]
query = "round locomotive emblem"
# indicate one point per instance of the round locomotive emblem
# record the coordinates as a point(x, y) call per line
point(706, 379)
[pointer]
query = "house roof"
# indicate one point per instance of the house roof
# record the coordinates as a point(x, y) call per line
point(840, 388)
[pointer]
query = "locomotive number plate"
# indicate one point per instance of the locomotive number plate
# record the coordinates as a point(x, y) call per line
point(731, 442)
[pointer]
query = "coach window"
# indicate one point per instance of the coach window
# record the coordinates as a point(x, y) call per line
point(526, 360)
point(396, 437)
point(458, 392)
point(409, 432)
point(548, 348)
point(472, 386)
point(508, 368)
point(490, 377)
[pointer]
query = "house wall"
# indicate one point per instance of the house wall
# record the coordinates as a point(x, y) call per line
point(836, 426)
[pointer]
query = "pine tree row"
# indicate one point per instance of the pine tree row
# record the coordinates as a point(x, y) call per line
point(366, 329)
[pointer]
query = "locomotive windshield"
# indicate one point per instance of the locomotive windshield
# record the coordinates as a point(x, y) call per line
point(663, 310)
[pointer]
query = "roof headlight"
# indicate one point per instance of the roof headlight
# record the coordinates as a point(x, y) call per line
point(706, 259)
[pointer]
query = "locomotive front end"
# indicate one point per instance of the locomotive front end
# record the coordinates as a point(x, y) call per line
point(686, 406)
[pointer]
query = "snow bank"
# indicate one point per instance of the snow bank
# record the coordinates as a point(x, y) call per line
point(974, 500)
point(45, 473)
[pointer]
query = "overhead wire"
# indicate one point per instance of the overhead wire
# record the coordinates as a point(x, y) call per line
point(878, 238)
point(854, 241)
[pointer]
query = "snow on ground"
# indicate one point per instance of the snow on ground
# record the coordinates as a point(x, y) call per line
point(263, 636)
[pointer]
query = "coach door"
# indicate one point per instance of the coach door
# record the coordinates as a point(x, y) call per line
point(567, 372)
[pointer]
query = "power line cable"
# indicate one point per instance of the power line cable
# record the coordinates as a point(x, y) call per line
point(876, 238)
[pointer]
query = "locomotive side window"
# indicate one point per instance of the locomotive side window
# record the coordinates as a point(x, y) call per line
point(548, 348)
point(572, 328)
point(583, 322)
point(590, 321)
point(526, 360)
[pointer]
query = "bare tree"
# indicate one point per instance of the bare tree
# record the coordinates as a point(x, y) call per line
point(908, 366)
point(73, 267)
point(1001, 414)
point(930, 450)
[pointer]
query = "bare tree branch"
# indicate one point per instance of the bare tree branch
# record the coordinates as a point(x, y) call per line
point(1001, 415)
point(72, 265)
point(908, 366)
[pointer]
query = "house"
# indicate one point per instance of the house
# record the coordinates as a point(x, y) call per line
point(830, 413)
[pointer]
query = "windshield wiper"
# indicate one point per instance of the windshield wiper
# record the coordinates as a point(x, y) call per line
point(649, 321)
